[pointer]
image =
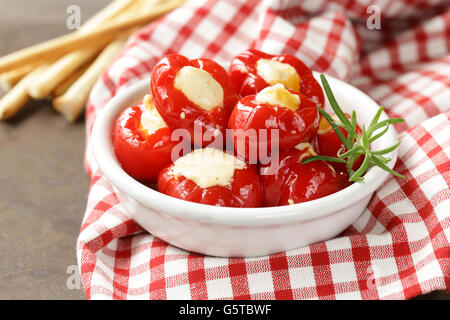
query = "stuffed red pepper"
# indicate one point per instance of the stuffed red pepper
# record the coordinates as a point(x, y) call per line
point(191, 93)
point(253, 70)
point(142, 141)
point(211, 176)
point(294, 182)
point(292, 116)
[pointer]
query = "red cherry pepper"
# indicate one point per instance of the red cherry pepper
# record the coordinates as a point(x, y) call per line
point(141, 153)
point(293, 127)
point(244, 189)
point(295, 182)
point(244, 75)
point(176, 108)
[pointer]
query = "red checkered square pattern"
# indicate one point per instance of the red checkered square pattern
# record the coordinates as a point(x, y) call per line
point(399, 246)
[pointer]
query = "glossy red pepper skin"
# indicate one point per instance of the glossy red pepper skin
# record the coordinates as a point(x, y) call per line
point(172, 103)
point(244, 191)
point(245, 78)
point(141, 155)
point(328, 144)
point(295, 182)
point(293, 126)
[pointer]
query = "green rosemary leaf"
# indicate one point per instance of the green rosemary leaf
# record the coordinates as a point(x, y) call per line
point(340, 125)
point(323, 158)
point(365, 139)
point(383, 123)
point(386, 150)
point(334, 105)
point(377, 116)
point(381, 158)
point(334, 126)
point(354, 151)
point(361, 170)
point(386, 168)
point(353, 119)
point(380, 134)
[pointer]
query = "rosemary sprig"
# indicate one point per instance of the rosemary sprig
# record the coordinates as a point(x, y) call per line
point(356, 145)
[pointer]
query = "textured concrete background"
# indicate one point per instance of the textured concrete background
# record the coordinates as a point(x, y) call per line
point(43, 186)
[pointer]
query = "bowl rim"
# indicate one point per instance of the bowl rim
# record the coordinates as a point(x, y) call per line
point(108, 164)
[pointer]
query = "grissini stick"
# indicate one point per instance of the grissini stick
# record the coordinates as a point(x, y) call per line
point(10, 78)
point(113, 9)
point(139, 6)
point(66, 84)
point(73, 41)
point(65, 66)
point(17, 97)
point(72, 103)
point(59, 71)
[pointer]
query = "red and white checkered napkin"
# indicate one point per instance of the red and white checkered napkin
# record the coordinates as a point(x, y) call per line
point(398, 248)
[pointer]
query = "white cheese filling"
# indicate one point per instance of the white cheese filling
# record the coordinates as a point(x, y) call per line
point(309, 151)
point(274, 72)
point(277, 95)
point(324, 125)
point(207, 167)
point(151, 120)
point(199, 87)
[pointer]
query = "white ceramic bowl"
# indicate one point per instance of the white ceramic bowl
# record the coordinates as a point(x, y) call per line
point(239, 232)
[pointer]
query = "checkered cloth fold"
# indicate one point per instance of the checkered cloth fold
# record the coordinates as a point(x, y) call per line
point(398, 248)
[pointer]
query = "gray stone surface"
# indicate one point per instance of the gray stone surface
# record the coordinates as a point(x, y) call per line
point(43, 186)
point(42, 200)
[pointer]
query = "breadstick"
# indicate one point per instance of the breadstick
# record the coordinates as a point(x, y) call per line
point(72, 103)
point(59, 71)
point(10, 78)
point(61, 45)
point(65, 66)
point(66, 84)
point(110, 11)
point(17, 97)
point(141, 6)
